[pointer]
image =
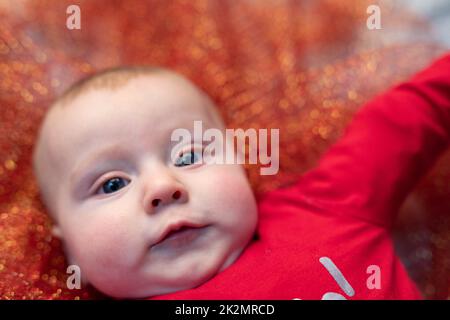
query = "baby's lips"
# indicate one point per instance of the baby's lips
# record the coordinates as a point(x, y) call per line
point(174, 227)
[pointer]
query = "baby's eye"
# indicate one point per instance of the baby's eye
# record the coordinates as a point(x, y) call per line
point(114, 184)
point(187, 158)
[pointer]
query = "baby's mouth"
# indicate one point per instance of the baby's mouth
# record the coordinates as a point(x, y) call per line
point(179, 237)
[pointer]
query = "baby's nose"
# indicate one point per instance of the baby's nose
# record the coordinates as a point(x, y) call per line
point(164, 193)
point(165, 198)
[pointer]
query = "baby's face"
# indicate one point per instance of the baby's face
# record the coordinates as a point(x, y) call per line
point(116, 190)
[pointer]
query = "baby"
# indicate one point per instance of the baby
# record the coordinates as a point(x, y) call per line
point(142, 223)
point(104, 164)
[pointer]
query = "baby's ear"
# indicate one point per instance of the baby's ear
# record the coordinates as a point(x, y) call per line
point(56, 232)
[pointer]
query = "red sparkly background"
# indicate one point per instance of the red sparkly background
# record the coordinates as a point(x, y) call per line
point(303, 66)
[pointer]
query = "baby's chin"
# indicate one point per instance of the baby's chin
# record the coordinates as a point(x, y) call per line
point(139, 292)
point(191, 277)
point(147, 287)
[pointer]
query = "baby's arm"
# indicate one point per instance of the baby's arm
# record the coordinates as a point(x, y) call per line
point(387, 148)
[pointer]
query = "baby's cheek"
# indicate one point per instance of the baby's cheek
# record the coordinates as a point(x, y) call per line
point(231, 186)
point(232, 195)
point(106, 241)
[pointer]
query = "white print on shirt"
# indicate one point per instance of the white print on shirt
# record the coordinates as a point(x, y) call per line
point(373, 282)
point(339, 278)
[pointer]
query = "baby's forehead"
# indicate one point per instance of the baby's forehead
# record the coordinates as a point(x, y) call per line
point(157, 104)
point(164, 91)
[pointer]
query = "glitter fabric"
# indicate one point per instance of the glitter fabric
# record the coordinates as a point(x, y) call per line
point(302, 66)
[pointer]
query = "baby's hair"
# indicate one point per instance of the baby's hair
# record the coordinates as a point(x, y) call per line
point(111, 78)
point(114, 78)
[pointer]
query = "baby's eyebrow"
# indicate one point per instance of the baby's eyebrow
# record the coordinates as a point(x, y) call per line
point(112, 151)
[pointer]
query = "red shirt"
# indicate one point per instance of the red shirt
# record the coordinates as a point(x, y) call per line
point(328, 236)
